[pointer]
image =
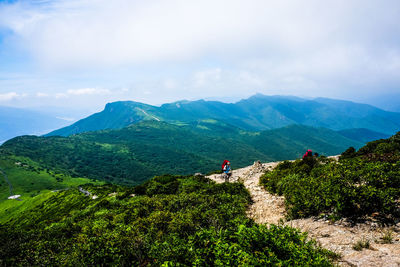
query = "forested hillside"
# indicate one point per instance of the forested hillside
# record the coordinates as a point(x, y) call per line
point(363, 135)
point(134, 154)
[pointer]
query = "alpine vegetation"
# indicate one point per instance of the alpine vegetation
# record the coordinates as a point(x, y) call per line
point(169, 220)
point(361, 184)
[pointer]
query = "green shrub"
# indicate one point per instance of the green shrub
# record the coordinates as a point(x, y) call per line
point(175, 221)
point(351, 188)
point(349, 153)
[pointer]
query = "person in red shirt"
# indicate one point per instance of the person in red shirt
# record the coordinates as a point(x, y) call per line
point(307, 154)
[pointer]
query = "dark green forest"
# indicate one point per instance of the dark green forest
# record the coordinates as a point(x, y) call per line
point(136, 153)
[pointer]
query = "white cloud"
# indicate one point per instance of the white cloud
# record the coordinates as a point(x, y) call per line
point(170, 83)
point(40, 94)
point(290, 46)
point(147, 92)
point(88, 91)
point(9, 96)
point(60, 95)
point(207, 77)
point(71, 32)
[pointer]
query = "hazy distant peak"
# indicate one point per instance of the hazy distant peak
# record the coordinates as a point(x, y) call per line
point(259, 95)
point(118, 105)
point(258, 112)
point(330, 101)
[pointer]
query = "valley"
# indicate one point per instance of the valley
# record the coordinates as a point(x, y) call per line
point(133, 154)
point(254, 219)
point(98, 189)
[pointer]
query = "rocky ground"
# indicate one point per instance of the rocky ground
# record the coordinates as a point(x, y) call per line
point(340, 237)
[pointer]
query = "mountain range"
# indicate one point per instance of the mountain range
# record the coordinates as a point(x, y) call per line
point(130, 142)
point(133, 154)
point(256, 113)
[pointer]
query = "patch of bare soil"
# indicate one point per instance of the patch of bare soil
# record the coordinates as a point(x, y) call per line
point(340, 237)
point(343, 238)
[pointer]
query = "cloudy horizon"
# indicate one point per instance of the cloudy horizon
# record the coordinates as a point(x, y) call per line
point(90, 52)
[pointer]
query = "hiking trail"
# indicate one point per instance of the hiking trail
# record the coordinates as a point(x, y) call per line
point(339, 237)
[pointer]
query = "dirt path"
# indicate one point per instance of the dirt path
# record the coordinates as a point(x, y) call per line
point(339, 237)
point(266, 208)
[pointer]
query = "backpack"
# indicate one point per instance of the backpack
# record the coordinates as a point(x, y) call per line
point(307, 154)
point(223, 164)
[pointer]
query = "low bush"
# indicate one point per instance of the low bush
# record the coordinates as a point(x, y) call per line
point(172, 220)
point(353, 187)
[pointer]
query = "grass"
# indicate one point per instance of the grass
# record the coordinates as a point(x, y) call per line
point(361, 244)
point(11, 208)
point(32, 182)
point(387, 237)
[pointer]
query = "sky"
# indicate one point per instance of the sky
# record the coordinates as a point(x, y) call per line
point(83, 54)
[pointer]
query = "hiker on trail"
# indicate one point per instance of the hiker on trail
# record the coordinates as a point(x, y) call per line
point(307, 154)
point(226, 170)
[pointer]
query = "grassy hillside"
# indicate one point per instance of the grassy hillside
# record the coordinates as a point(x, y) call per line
point(170, 221)
point(256, 113)
point(33, 182)
point(114, 116)
point(134, 154)
point(362, 184)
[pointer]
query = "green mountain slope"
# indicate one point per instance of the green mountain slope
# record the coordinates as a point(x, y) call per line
point(256, 113)
point(114, 116)
point(32, 182)
point(170, 221)
point(363, 135)
point(295, 139)
point(136, 153)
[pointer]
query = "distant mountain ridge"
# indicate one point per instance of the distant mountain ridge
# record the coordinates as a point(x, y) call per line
point(136, 153)
point(362, 135)
point(256, 113)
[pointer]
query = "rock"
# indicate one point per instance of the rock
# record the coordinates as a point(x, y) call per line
point(14, 197)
